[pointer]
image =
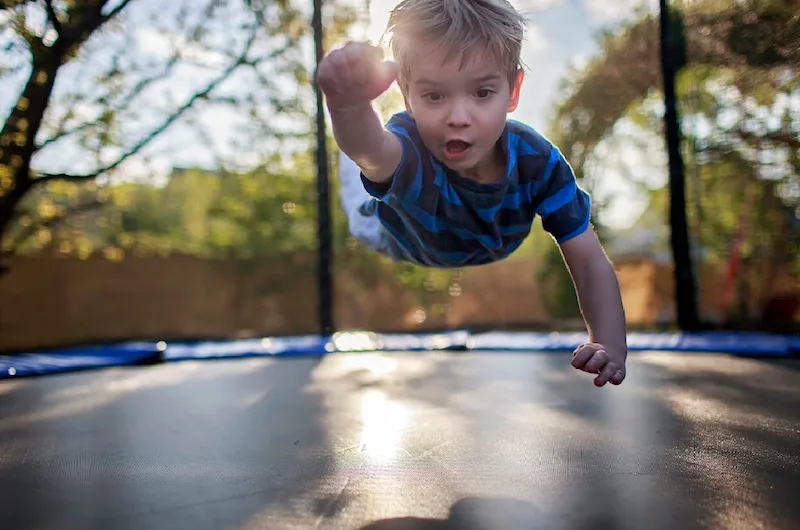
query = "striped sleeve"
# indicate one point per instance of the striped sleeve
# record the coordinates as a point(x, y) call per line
point(565, 208)
point(409, 170)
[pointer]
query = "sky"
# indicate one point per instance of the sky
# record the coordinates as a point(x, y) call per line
point(560, 33)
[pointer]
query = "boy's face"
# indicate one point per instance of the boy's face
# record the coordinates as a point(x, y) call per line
point(461, 109)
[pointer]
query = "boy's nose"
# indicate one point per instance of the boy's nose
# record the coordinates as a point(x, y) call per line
point(458, 116)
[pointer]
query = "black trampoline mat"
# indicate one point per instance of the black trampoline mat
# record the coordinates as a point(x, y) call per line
point(404, 441)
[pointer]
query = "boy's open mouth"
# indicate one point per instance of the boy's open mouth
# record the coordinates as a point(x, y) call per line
point(456, 147)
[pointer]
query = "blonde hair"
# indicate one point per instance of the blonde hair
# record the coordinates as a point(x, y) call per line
point(460, 27)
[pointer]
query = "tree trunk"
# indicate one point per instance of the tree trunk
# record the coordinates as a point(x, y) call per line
point(17, 139)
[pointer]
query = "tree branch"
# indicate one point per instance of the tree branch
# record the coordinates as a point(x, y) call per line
point(91, 18)
point(788, 139)
point(126, 101)
point(128, 98)
point(51, 14)
point(241, 60)
point(61, 177)
point(63, 133)
point(114, 12)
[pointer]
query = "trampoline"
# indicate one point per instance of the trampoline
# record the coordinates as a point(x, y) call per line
point(446, 431)
point(459, 436)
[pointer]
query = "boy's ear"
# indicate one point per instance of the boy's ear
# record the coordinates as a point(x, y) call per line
point(515, 91)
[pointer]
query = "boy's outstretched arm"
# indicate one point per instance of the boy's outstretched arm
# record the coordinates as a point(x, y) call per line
point(600, 301)
point(351, 77)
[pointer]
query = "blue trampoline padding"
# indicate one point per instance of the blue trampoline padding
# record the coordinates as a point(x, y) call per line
point(78, 358)
point(351, 341)
point(71, 359)
point(268, 346)
point(715, 342)
point(741, 343)
point(512, 341)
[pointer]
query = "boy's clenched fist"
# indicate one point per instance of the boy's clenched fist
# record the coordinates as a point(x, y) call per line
point(354, 75)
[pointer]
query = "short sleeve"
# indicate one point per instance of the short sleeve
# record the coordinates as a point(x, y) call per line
point(565, 208)
point(409, 170)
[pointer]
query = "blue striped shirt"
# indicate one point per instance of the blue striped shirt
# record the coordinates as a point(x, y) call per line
point(437, 218)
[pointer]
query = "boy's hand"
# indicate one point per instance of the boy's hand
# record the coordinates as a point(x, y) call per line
point(595, 358)
point(354, 75)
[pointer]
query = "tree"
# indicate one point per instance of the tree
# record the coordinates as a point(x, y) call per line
point(626, 70)
point(109, 81)
point(743, 136)
point(263, 213)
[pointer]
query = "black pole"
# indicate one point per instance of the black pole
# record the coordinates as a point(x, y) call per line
point(324, 257)
point(685, 288)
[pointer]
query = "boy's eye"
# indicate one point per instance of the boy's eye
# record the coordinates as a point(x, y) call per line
point(484, 93)
point(433, 96)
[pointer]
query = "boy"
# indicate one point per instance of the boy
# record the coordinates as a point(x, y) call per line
point(451, 181)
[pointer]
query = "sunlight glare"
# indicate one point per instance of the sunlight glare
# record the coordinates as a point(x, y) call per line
point(356, 341)
point(378, 366)
point(378, 17)
point(384, 422)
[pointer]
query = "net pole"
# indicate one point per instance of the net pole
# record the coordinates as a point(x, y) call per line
point(685, 287)
point(324, 243)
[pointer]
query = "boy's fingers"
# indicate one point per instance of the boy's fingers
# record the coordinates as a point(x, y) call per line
point(339, 72)
point(594, 359)
point(375, 53)
point(358, 70)
point(598, 361)
point(582, 355)
point(384, 74)
point(363, 59)
point(606, 374)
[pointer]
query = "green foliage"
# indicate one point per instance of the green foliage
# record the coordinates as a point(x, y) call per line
point(265, 213)
point(558, 292)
